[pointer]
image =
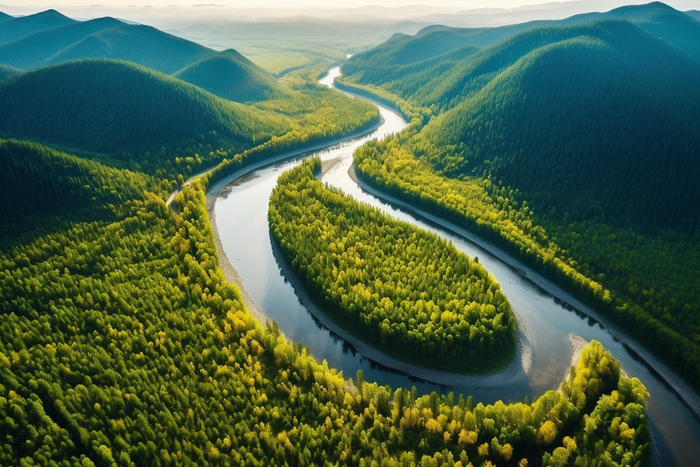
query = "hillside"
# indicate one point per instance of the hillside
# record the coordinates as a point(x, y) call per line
point(16, 28)
point(42, 189)
point(49, 38)
point(118, 108)
point(593, 120)
point(231, 76)
point(102, 38)
point(8, 72)
point(668, 24)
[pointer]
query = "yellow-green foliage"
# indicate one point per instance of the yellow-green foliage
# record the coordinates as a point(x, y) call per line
point(399, 287)
point(318, 113)
point(122, 343)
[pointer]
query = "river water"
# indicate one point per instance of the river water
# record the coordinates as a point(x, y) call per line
point(241, 217)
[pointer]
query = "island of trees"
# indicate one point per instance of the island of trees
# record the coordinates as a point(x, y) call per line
point(405, 290)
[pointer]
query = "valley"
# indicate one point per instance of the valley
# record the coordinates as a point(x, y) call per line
point(203, 263)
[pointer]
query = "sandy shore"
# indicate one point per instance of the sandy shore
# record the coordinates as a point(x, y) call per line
point(578, 343)
point(680, 387)
point(229, 271)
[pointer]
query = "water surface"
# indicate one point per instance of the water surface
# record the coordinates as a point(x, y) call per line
point(241, 218)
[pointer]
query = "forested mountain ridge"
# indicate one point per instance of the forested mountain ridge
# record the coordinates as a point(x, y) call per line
point(609, 114)
point(615, 88)
point(415, 67)
point(231, 76)
point(35, 43)
point(123, 109)
point(17, 28)
point(102, 38)
point(675, 27)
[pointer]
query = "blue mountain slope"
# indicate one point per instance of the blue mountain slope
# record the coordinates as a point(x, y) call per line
point(16, 28)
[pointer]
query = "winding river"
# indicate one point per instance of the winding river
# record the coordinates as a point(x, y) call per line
point(546, 322)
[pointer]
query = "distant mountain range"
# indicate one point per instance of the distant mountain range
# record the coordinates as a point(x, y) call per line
point(49, 38)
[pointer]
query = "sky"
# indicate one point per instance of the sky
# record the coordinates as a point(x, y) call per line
point(439, 4)
point(176, 15)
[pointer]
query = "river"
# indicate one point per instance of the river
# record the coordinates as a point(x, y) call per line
point(241, 220)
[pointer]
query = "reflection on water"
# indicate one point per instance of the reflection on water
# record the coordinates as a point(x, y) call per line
point(242, 221)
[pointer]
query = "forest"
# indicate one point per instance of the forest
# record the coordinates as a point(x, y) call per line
point(123, 344)
point(404, 290)
point(517, 151)
point(134, 97)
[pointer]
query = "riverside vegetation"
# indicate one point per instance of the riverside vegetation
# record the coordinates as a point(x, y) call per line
point(122, 344)
point(402, 289)
point(607, 208)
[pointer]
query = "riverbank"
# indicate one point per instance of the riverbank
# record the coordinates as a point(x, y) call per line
point(219, 188)
point(685, 393)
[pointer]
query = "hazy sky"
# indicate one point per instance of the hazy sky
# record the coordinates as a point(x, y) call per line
point(461, 4)
point(176, 15)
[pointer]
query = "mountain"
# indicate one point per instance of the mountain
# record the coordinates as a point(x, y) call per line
point(230, 75)
point(593, 120)
point(102, 38)
point(16, 28)
point(427, 67)
point(8, 72)
point(226, 74)
point(116, 107)
point(673, 26)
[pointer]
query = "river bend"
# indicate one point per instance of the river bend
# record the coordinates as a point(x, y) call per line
point(241, 221)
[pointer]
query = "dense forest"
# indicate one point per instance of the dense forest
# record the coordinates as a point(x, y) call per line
point(404, 290)
point(440, 66)
point(574, 148)
point(122, 344)
point(143, 120)
point(232, 76)
point(116, 107)
point(131, 117)
point(40, 185)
